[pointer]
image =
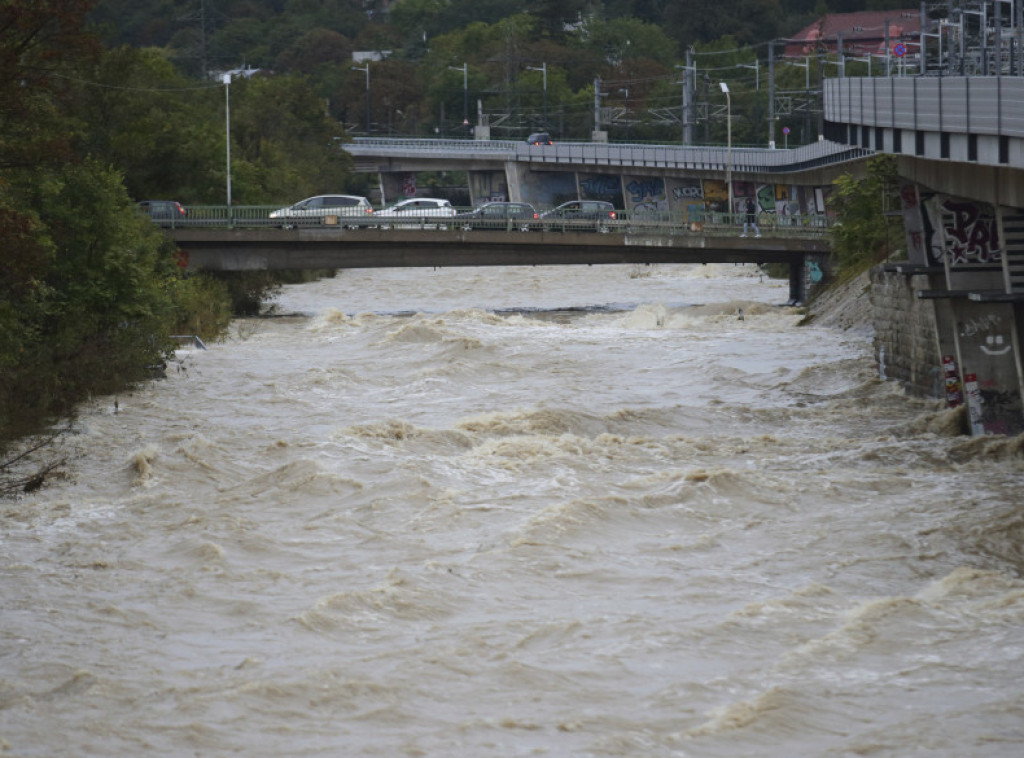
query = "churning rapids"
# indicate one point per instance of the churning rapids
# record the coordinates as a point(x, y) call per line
point(487, 513)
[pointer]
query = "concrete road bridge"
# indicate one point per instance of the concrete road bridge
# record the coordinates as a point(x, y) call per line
point(215, 240)
point(682, 179)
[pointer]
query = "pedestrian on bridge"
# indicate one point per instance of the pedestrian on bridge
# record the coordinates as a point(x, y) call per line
point(750, 220)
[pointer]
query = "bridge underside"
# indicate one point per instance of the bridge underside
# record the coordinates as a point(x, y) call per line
point(298, 249)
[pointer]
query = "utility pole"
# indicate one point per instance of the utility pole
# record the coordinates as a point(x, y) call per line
point(771, 94)
point(689, 77)
point(227, 128)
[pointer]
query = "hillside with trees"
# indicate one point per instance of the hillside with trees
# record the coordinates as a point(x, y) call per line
point(439, 56)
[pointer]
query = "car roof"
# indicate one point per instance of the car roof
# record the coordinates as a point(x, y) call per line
point(337, 194)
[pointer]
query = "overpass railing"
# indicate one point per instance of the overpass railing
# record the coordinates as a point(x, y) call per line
point(707, 223)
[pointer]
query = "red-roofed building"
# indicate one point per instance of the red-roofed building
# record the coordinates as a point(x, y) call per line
point(862, 33)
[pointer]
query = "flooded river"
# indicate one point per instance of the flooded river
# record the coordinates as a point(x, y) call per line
point(547, 511)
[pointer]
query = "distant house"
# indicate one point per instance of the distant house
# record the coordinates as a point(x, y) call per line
point(862, 33)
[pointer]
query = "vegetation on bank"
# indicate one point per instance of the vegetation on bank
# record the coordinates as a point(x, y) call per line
point(869, 222)
point(90, 294)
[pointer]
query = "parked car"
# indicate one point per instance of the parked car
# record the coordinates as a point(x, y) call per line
point(580, 215)
point(323, 209)
point(163, 211)
point(415, 211)
point(539, 138)
point(498, 215)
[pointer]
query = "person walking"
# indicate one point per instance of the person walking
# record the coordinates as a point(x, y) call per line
point(750, 220)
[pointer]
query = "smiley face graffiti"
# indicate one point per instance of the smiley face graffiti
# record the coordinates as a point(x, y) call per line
point(995, 345)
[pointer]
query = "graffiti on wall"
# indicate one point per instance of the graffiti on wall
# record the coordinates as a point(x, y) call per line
point(601, 187)
point(645, 193)
point(969, 232)
point(685, 190)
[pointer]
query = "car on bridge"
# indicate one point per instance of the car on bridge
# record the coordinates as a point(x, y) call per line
point(539, 138)
point(163, 211)
point(322, 209)
point(580, 215)
point(415, 211)
point(498, 215)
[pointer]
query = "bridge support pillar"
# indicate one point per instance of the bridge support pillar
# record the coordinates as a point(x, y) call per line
point(797, 287)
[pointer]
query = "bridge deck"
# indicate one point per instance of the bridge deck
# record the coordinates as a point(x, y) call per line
point(321, 248)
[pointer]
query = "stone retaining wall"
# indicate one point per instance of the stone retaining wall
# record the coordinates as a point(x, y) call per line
point(905, 342)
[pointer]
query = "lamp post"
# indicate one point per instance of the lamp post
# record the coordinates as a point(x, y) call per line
point(227, 128)
point(728, 131)
point(366, 68)
point(625, 90)
point(544, 69)
point(465, 92)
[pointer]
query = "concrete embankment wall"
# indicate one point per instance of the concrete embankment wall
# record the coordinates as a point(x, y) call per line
point(906, 348)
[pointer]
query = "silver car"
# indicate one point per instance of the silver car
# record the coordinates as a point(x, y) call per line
point(323, 209)
point(416, 211)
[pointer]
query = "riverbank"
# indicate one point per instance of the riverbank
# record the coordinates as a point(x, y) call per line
point(845, 306)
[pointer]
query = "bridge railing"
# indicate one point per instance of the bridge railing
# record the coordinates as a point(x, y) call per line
point(640, 222)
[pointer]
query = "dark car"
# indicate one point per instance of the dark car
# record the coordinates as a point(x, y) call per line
point(498, 215)
point(580, 215)
point(163, 211)
point(539, 138)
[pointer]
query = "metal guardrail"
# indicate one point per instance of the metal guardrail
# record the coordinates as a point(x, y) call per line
point(709, 223)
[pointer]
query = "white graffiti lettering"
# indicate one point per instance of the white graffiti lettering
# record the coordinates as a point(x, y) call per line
point(979, 325)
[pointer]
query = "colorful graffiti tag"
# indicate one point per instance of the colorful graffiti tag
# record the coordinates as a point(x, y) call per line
point(646, 193)
point(970, 233)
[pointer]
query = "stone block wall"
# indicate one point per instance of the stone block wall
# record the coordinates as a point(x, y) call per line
point(905, 342)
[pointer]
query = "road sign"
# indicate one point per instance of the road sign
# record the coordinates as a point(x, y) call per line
point(899, 49)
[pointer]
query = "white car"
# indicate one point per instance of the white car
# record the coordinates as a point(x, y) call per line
point(323, 209)
point(416, 211)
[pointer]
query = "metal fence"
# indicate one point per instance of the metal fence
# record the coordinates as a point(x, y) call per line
point(707, 223)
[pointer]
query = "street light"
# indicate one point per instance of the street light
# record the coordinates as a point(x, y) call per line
point(465, 91)
point(227, 127)
point(728, 131)
point(626, 91)
point(543, 68)
point(366, 68)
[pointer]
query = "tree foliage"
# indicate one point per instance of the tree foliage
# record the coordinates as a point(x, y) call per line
point(89, 293)
point(864, 234)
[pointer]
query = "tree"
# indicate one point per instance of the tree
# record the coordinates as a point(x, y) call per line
point(96, 314)
point(284, 144)
point(39, 40)
point(88, 288)
point(863, 234)
point(165, 132)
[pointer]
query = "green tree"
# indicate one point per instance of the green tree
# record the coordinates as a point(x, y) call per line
point(284, 143)
point(88, 288)
point(96, 312)
point(165, 132)
point(863, 234)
